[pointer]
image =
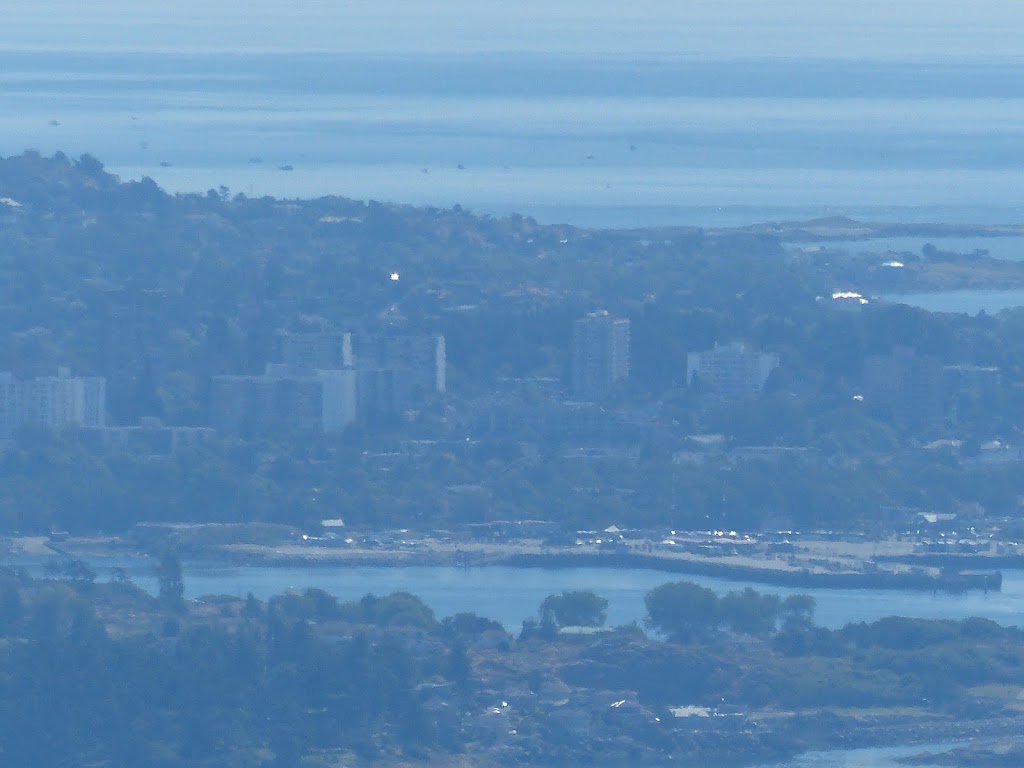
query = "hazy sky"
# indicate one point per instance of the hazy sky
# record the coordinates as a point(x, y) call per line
point(871, 29)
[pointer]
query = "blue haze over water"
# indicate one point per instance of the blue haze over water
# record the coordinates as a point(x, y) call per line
point(594, 141)
point(591, 113)
point(595, 113)
point(585, 111)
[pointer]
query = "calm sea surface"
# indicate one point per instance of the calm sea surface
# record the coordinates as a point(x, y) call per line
point(597, 141)
point(596, 113)
point(592, 113)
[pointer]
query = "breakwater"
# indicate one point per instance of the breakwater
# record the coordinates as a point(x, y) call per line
point(925, 573)
point(918, 579)
point(945, 581)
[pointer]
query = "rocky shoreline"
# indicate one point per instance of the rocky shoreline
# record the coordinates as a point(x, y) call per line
point(764, 746)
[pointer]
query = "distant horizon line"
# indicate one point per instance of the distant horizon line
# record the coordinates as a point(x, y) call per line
point(629, 56)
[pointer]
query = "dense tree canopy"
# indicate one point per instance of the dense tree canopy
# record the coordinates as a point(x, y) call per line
point(683, 611)
point(577, 608)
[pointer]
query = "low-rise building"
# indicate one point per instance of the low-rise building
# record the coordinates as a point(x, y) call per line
point(151, 437)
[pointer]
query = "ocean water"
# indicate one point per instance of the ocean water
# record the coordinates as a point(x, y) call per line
point(968, 301)
point(597, 114)
point(586, 111)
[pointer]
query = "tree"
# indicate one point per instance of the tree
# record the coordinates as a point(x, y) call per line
point(465, 624)
point(579, 608)
point(798, 612)
point(312, 604)
point(681, 609)
point(399, 609)
point(171, 580)
point(90, 166)
point(253, 608)
point(749, 612)
point(459, 669)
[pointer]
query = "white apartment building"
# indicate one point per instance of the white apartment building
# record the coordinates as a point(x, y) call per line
point(284, 398)
point(52, 402)
point(731, 371)
point(600, 355)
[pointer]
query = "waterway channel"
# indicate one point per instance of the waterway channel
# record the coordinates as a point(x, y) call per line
point(873, 757)
point(510, 595)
